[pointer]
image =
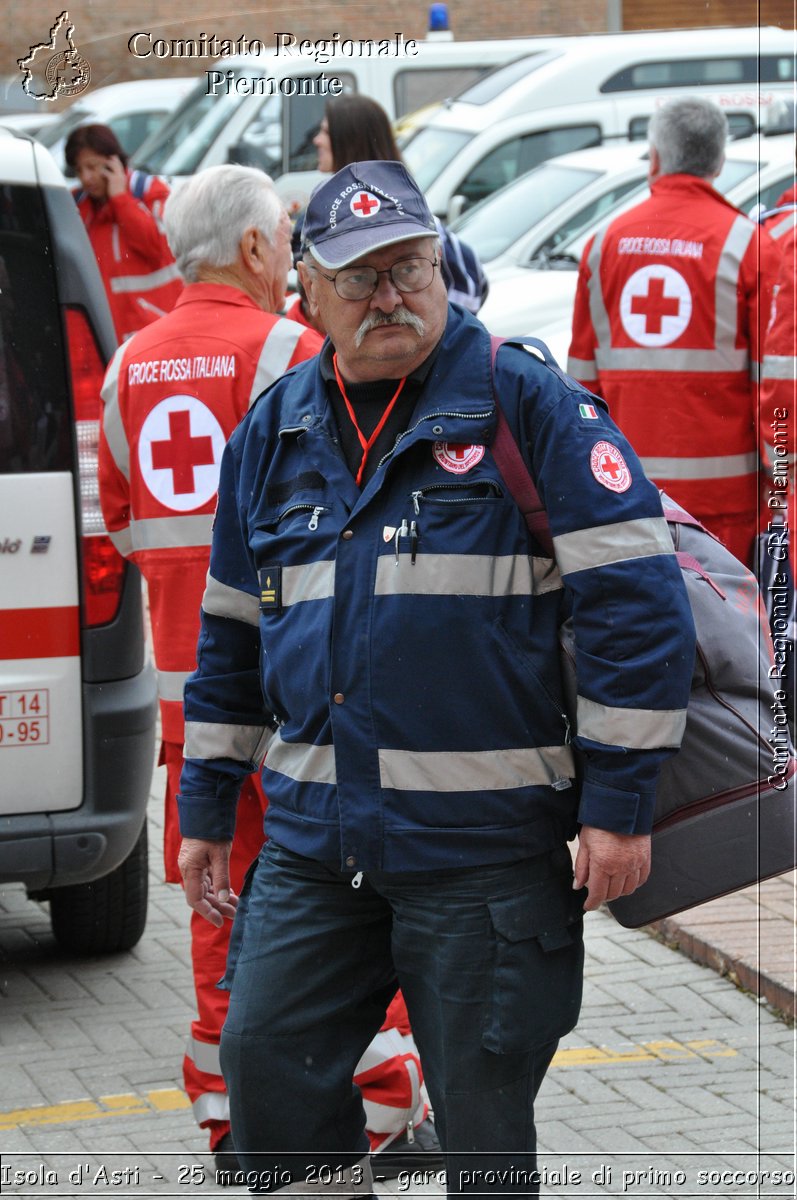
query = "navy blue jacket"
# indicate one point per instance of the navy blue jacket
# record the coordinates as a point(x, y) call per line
point(394, 651)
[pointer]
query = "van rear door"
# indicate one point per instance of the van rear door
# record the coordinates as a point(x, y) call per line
point(40, 676)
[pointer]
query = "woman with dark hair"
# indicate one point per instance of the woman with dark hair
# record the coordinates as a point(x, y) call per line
point(357, 129)
point(354, 129)
point(121, 210)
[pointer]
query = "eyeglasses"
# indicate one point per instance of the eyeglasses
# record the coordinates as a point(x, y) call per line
point(406, 275)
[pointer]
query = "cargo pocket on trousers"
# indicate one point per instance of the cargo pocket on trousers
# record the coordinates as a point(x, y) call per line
point(237, 931)
point(538, 967)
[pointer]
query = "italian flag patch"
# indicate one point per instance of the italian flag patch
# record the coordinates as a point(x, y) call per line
point(588, 412)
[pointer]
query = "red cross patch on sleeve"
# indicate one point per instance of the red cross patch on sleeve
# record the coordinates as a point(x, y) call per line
point(609, 467)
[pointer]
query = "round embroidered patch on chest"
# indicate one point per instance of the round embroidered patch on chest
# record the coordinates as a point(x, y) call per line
point(609, 467)
point(454, 457)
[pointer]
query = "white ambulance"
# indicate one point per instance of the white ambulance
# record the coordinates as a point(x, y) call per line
point(77, 695)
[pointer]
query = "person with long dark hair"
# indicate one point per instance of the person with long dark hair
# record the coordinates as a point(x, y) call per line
point(121, 210)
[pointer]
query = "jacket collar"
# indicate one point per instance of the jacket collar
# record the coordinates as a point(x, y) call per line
point(216, 293)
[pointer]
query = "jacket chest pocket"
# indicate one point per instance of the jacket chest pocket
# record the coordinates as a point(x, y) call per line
point(538, 966)
point(286, 534)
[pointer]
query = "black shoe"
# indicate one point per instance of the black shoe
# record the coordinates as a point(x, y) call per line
point(228, 1169)
point(422, 1153)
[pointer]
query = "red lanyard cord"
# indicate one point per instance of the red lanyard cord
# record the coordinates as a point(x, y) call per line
point(366, 445)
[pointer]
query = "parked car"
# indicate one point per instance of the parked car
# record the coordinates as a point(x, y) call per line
point(581, 93)
point(256, 111)
point(527, 294)
point(532, 217)
point(77, 695)
point(133, 110)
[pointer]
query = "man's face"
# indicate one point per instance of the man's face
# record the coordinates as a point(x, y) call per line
point(369, 344)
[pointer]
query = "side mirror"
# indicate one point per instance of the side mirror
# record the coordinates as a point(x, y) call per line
point(455, 207)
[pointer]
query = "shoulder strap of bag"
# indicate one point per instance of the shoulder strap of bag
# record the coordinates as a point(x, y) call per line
point(514, 471)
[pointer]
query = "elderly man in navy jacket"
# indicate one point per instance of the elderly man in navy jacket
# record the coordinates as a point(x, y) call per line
point(379, 622)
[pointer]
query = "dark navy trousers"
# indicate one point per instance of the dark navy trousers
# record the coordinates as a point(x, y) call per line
point(490, 961)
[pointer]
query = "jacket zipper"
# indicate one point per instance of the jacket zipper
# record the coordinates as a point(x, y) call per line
point(317, 510)
point(482, 416)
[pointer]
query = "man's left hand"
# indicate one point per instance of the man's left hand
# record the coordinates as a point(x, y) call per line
point(610, 864)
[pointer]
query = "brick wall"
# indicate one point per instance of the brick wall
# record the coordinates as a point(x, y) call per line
point(104, 27)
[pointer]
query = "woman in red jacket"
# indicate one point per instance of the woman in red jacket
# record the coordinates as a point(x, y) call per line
point(121, 210)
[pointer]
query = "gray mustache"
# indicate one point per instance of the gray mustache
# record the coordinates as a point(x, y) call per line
point(400, 316)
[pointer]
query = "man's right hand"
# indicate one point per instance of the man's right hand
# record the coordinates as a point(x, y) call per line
point(205, 867)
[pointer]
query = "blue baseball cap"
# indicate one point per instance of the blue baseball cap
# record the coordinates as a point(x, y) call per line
point(364, 207)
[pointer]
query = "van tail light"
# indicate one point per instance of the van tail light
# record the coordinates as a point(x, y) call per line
point(103, 565)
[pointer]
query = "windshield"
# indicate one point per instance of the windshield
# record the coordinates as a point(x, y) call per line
point(182, 141)
point(733, 172)
point(430, 151)
point(496, 82)
point(495, 224)
point(64, 126)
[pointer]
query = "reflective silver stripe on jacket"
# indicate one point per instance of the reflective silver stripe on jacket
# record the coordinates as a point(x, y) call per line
point(112, 423)
point(788, 223)
point(211, 1106)
point(466, 575)
point(778, 458)
point(302, 761)
point(315, 581)
point(277, 352)
point(243, 743)
point(122, 540)
point(204, 1056)
point(634, 728)
point(145, 283)
point(722, 357)
point(171, 684)
point(582, 368)
point(221, 600)
point(474, 771)
point(601, 545)
point(779, 366)
point(725, 466)
point(163, 533)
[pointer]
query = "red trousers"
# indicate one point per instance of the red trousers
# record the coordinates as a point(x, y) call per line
point(389, 1074)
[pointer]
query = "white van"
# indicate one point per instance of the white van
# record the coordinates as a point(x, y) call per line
point(77, 693)
point(585, 91)
point(254, 110)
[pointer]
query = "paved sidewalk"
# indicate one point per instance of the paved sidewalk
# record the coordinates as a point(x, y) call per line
point(750, 936)
point(674, 1084)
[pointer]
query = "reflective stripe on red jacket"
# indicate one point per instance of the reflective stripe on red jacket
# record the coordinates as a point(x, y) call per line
point(172, 396)
point(137, 267)
point(665, 328)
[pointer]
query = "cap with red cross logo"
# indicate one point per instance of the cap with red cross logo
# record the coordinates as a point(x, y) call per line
point(362, 208)
point(609, 467)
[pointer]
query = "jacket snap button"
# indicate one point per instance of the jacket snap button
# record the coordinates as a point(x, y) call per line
point(437, 429)
point(351, 861)
point(348, 533)
point(338, 697)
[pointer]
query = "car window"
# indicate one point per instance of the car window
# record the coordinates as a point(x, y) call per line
point(430, 150)
point(284, 122)
point(132, 128)
point(493, 226)
point(34, 417)
point(591, 213)
point(185, 137)
point(695, 72)
point(768, 196)
point(518, 155)
point(739, 125)
point(734, 171)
